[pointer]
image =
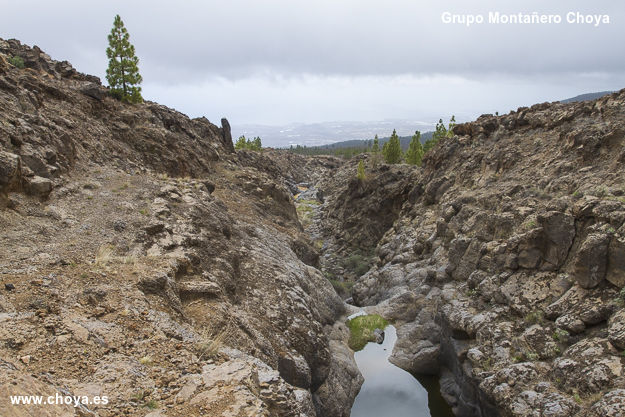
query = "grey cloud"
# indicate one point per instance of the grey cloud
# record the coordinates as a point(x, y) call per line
point(235, 39)
point(280, 61)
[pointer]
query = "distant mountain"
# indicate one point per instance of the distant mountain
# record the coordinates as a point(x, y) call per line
point(587, 96)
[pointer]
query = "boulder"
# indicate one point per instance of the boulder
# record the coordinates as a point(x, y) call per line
point(541, 341)
point(294, 369)
point(611, 405)
point(379, 336)
point(94, 90)
point(590, 263)
point(559, 230)
point(616, 330)
point(570, 323)
point(38, 186)
point(468, 262)
point(616, 262)
point(10, 172)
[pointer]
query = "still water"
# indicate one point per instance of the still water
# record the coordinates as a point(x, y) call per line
point(390, 391)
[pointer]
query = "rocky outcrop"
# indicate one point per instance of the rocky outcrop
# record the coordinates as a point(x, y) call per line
point(44, 122)
point(509, 248)
point(360, 212)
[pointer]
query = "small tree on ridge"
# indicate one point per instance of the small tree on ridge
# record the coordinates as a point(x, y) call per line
point(122, 73)
point(415, 150)
point(392, 149)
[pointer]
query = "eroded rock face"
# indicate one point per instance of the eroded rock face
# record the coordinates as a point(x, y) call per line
point(143, 260)
point(510, 245)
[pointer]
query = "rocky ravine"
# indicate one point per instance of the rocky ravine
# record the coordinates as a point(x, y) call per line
point(143, 260)
point(504, 267)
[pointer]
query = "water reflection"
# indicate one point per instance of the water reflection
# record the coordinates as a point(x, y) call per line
point(388, 390)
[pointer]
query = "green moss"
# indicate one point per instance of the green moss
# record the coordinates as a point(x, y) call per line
point(305, 214)
point(361, 330)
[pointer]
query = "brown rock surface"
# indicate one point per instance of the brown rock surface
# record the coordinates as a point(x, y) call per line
point(149, 263)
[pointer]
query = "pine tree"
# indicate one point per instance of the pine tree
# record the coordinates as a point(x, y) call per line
point(123, 71)
point(256, 144)
point(376, 145)
point(439, 133)
point(241, 143)
point(415, 150)
point(452, 124)
point(392, 149)
point(375, 152)
point(361, 171)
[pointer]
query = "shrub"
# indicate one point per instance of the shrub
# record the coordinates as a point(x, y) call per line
point(151, 404)
point(560, 335)
point(208, 345)
point(534, 317)
point(17, 61)
point(357, 263)
point(361, 171)
point(104, 254)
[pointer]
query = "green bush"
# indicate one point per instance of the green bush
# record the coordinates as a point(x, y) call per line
point(17, 61)
point(361, 330)
point(534, 317)
point(361, 171)
point(357, 263)
point(560, 335)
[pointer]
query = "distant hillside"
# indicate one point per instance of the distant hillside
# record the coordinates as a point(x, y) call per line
point(324, 133)
point(587, 96)
point(403, 140)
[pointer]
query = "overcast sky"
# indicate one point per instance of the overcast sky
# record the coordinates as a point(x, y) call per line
point(282, 61)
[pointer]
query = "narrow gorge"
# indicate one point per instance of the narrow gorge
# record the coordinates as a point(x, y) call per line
point(145, 260)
